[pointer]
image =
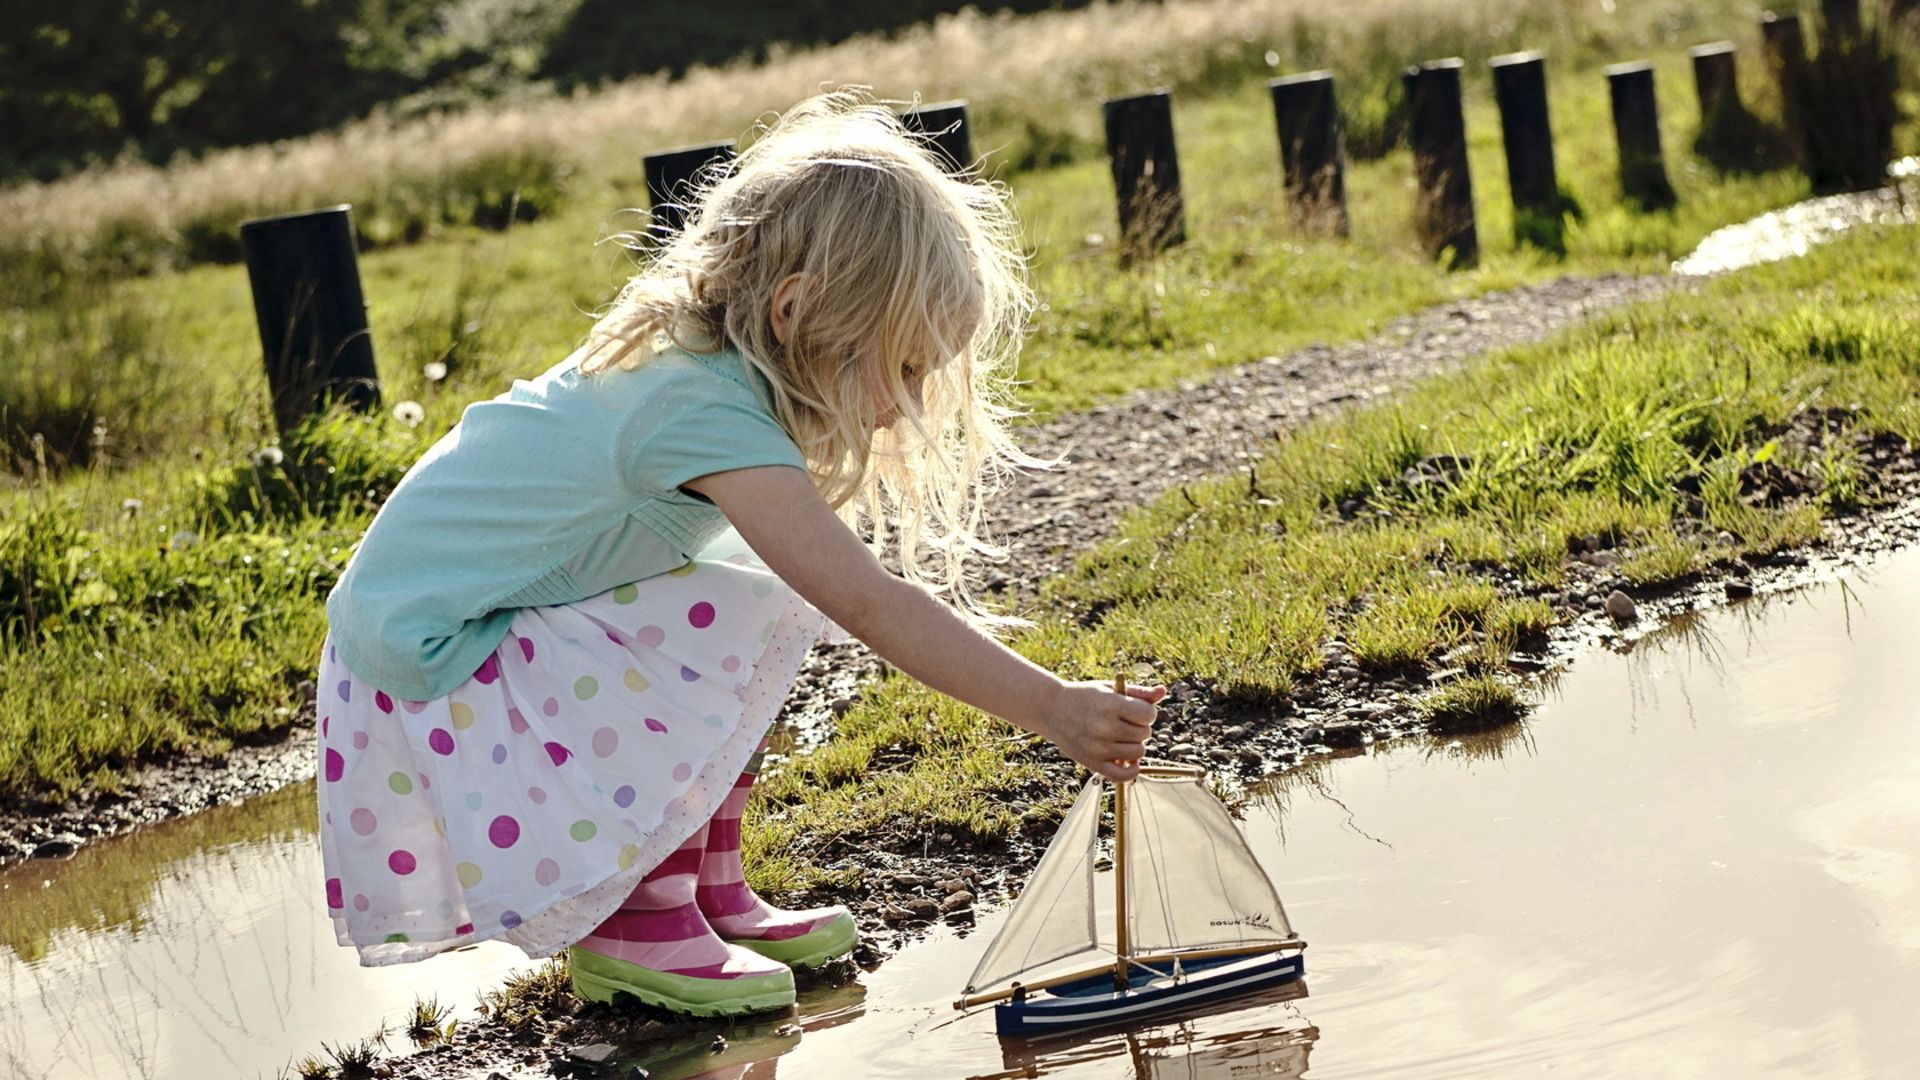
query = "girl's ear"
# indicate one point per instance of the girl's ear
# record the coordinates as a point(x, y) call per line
point(785, 295)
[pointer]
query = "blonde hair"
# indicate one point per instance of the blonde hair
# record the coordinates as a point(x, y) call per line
point(898, 265)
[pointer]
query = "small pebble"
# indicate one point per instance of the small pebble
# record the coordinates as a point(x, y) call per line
point(1621, 607)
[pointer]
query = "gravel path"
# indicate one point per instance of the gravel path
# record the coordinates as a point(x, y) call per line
point(1116, 456)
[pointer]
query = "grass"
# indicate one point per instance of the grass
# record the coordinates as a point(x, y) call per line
point(1587, 440)
point(163, 556)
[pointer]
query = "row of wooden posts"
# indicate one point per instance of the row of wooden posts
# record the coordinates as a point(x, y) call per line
point(312, 315)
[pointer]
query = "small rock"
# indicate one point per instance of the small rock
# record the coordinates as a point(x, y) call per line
point(593, 1055)
point(945, 838)
point(922, 908)
point(1739, 590)
point(951, 885)
point(960, 901)
point(718, 1045)
point(58, 846)
point(1181, 751)
point(1621, 607)
point(894, 913)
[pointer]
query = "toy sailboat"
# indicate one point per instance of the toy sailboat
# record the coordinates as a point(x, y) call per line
point(1196, 920)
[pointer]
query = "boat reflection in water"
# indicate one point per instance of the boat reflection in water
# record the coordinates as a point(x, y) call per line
point(1206, 1046)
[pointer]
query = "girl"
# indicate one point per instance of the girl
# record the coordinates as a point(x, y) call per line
point(552, 659)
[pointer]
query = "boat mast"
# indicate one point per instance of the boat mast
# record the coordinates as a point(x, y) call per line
point(1121, 945)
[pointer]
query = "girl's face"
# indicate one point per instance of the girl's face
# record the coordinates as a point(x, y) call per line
point(914, 375)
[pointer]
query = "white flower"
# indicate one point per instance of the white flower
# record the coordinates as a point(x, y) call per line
point(130, 507)
point(409, 413)
point(268, 457)
point(185, 538)
point(434, 371)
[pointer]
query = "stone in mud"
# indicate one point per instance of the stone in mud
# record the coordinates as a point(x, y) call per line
point(1738, 590)
point(593, 1055)
point(920, 907)
point(951, 885)
point(960, 901)
point(1620, 607)
point(58, 846)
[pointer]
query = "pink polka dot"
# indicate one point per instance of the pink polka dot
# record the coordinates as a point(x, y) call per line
point(464, 928)
point(605, 742)
point(551, 707)
point(616, 639)
point(656, 726)
point(739, 559)
point(336, 765)
point(504, 831)
point(650, 636)
point(558, 753)
point(415, 707)
point(516, 721)
point(441, 740)
point(364, 822)
point(526, 649)
point(425, 784)
point(488, 671)
point(730, 664)
point(682, 773)
point(537, 795)
point(401, 862)
point(546, 871)
point(360, 902)
point(700, 615)
point(325, 723)
point(382, 702)
point(359, 740)
point(334, 899)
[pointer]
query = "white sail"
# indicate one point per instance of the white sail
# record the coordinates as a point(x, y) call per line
point(1192, 882)
point(1054, 917)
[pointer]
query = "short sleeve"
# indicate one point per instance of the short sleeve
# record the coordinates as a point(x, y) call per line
point(709, 437)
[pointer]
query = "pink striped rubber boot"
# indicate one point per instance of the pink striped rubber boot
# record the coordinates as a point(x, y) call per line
point(806, 938)
point(659, 949)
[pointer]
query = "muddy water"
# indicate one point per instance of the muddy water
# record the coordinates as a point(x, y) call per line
point(1698, 859)
point(1795, 229)
point(197, 948)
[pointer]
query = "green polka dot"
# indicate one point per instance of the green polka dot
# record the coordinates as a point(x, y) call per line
point(396, 937)
point(713, 720)
point(625, 594)
point(401, 783)
point(762, 587)
point(681, 571)
point(469, 875)
point(628, 854)
point(585, 687)
point(462, 716)
point(583, 830)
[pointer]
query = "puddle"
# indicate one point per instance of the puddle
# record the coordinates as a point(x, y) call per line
point(1796, 229)
point(1700, 858)
point(198, 948)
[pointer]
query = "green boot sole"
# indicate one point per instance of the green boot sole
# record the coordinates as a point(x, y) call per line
point(601, 978)
point(830, 942)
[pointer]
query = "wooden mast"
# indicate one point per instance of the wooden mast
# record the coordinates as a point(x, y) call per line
point(1121, 945)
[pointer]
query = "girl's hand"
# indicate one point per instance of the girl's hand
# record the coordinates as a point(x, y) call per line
point(1104, 731)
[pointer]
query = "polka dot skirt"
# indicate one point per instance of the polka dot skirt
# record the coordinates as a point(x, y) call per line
point(526, 804)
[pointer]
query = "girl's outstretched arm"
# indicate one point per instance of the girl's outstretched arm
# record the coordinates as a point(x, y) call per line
point(783, 518)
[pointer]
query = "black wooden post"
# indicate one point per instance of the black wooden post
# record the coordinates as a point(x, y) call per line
point(1312, 157)
point(1839, 21)
point(1785, 46)
point(1636, 125)
point(945, 126)
point(1437, 129)
point(1146, 172)
point(1520, 89)
point(1713, 80)
point(673, 177)
point(312, 315)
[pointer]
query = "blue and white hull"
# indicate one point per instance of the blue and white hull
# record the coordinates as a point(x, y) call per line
point(1093, 1001)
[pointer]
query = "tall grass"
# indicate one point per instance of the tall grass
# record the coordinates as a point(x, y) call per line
point(1035, 79)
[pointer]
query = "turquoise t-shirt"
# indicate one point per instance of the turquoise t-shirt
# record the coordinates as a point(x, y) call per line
point(562, 488)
